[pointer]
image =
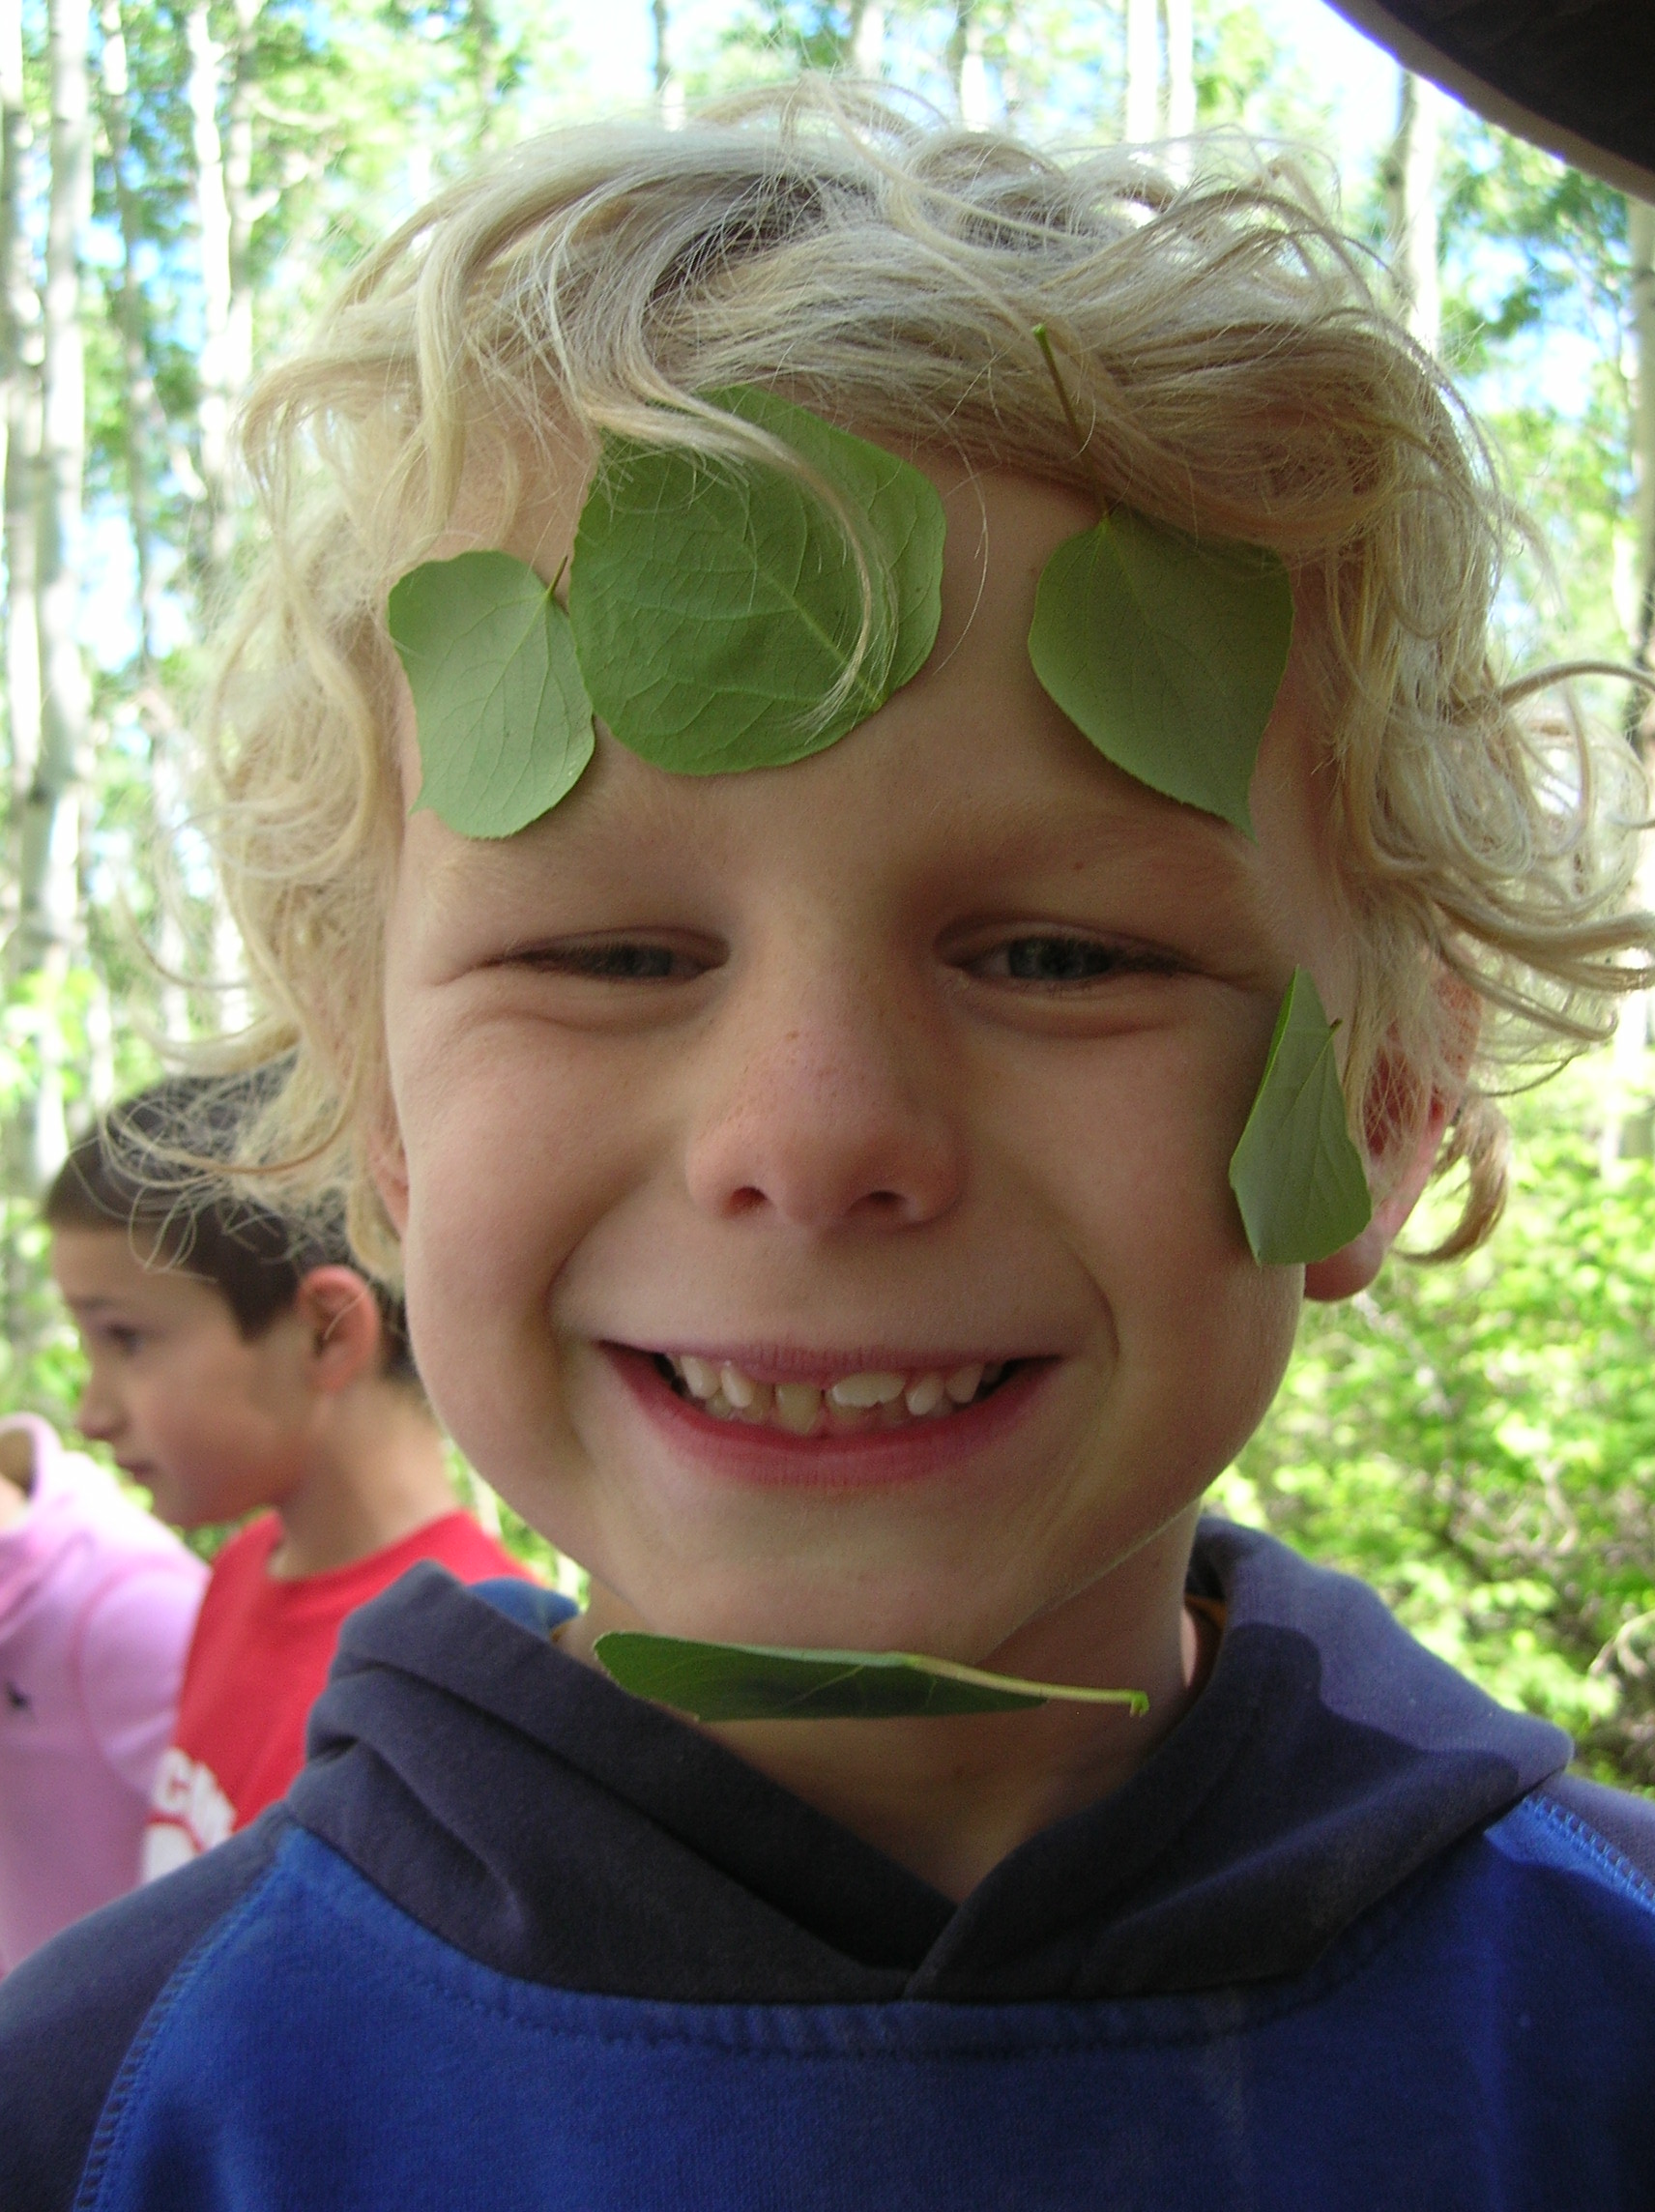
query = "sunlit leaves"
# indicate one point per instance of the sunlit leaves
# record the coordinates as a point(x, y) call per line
point(1297, 1178)
point(718, 607)
point(503, 722)
point(1166, 651)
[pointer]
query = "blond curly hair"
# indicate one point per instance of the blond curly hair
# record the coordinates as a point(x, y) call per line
point(1224, 350)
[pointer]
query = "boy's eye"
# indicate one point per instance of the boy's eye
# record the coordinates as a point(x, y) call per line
point(124, 1341)
point(623, 960)
point(1055, 960)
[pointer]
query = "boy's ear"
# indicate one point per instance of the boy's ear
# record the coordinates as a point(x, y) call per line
point(340, 1313)
point(1392, 1126)
point(1353, 1267)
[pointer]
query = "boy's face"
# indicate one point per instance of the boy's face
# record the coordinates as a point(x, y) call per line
point(211, 1422)
point(921, 1058)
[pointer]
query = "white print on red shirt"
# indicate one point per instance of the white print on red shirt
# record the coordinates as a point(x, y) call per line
point(189, 1814)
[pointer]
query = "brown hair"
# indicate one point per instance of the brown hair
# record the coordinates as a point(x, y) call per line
point(145, 1169)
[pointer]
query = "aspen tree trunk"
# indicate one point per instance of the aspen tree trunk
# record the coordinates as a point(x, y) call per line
point(143, 434)
point(49, 880)
point(668, 92)
point(225, 215)
point(1181, 80)
point(1411, 193)
point(99, 1007)
point(971, 71)
point(867, 38)
point(20, 427)
point(1640, 242)
point(140, 416)
point(1143, 72)
point(485, 63)
point(223, 177)
point(1632, 1034)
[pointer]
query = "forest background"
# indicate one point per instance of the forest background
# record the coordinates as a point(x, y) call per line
point(181, 180)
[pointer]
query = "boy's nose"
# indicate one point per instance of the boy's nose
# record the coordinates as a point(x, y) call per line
point(824, 1124)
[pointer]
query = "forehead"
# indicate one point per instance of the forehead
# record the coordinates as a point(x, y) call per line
point(98, 1267)
point(971, 758)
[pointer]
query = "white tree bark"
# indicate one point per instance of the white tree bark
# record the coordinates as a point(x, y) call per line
point(867, 39)
point(971, 71)
point(49, 882)
point(1143, 73)
point(1181, 69)
point(143, 438)
point(669, 91)
point(1640, 242)
point(1410, 183)
point(221, 128)
point(19, 428)
point(1626, 1080)
point(140, 426)
point(213, 225)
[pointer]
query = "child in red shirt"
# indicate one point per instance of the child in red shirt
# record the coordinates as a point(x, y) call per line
point(238, 1360)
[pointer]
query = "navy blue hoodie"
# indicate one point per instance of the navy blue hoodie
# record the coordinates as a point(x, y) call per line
point(1345, 1940)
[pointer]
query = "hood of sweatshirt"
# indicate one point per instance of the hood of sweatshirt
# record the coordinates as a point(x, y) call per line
point(525, 1809)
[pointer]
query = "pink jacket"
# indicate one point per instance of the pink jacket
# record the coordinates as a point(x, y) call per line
point(97, 1605)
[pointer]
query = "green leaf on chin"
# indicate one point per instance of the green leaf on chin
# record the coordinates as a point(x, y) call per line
point(1166, 651)
point(767, 1682)
point(1297, 1178)
point(500, 711)
point(717, 605)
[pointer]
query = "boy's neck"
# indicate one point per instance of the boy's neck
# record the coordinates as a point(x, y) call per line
point(378, 1473)
point(949, 1799)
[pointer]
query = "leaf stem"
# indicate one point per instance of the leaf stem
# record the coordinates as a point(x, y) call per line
point(1082, 438)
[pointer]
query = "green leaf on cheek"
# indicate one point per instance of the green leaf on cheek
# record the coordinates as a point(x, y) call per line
point(717, 606)
point(1166, 651)
point(765, 1682)
point(1297, 1178)
point(501, 713)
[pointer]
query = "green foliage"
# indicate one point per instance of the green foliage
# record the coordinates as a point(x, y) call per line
point(1167, 651)
point(1297, 1178)
point(1477, 1442)
point(767, 1682)
point(717, 608)
point(503, 722)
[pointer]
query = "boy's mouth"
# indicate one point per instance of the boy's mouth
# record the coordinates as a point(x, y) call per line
point(843, 1404)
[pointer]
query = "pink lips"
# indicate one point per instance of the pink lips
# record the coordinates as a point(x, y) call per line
point(770, 1455)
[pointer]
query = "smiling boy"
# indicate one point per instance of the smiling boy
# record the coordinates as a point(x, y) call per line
point(855, 1167)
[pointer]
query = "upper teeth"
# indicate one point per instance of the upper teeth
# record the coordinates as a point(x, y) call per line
point(879, 1396)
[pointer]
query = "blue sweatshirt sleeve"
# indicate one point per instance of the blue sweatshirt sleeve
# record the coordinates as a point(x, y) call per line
point(69, 2014)
point(1626, 1823)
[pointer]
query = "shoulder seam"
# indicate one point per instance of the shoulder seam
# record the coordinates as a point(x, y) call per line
point(149, 2027)
point(1612, 1862)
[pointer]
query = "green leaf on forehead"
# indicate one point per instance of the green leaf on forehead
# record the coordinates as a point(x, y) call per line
point(503, 719)
point(1297, 1178)
point(1166, 651)
point(717, 605)
point(768, 1682)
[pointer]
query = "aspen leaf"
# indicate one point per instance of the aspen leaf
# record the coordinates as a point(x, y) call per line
point(717, 606)
point(1166, 651)
point(1297, 1178)
point(761, 1682)
point(502, 718)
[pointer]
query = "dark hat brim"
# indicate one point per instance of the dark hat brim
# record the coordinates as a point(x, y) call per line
point(1577, 78)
